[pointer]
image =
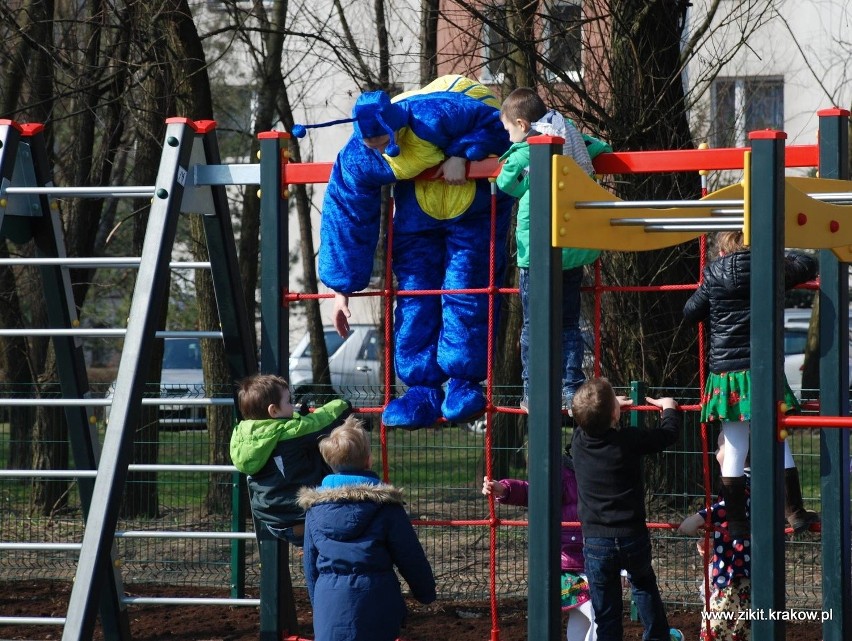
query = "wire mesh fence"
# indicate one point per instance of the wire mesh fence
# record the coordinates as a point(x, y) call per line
point(441, 472)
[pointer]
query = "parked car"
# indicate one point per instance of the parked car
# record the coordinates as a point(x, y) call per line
point(355, 367)
point(796, 323)
point(180, 377)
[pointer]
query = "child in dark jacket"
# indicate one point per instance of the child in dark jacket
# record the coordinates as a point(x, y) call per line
point(575, 588)
point(278, 449)
point(608, 465)
point(356, 531)
point(723, 299)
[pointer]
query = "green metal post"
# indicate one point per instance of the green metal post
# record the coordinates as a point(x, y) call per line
point(767, 295)
point(545, 421)
point(277, 608)
point(638, 392)
point(834, 397)
point(274, 251)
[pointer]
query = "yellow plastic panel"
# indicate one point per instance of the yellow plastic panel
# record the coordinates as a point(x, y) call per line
point(591, 228)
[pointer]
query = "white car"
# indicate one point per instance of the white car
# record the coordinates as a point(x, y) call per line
point(355, 367)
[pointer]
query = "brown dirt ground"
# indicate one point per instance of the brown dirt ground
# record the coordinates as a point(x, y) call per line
point(442, 621)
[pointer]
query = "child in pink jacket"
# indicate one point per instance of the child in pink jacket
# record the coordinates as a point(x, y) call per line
point(575, 589)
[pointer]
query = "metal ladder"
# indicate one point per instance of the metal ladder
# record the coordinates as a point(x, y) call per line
point(189, 180)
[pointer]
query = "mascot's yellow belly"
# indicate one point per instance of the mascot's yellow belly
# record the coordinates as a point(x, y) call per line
point(442, 201)
point(435, 197)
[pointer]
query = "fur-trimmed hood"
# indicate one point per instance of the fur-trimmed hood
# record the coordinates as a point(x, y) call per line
point(358, 493)
point(345, 513)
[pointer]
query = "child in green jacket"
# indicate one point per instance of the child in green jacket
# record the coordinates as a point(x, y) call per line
point(523, 113)
point(278, 449)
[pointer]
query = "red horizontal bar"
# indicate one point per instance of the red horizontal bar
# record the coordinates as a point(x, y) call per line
point(627, 162)
point(318, 172)
point(621, 162)
point(815, 421)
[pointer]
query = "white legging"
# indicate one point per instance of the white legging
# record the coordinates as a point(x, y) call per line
point(581, 623)
point(736, 449)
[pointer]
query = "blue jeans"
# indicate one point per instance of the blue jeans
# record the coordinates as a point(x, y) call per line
point(572, 337)
point(605, 558)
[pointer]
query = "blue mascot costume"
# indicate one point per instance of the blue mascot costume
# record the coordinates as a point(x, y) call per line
point(441, 236)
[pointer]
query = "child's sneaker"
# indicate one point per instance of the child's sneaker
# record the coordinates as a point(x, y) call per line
point(675, 634)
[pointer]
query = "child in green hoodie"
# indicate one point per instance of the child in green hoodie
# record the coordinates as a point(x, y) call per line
point(523, 114)
point(277, 447)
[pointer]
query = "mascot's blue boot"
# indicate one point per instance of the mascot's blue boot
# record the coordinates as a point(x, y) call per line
point(419, 407)
point(465, 400)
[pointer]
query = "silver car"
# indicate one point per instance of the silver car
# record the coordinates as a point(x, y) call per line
point(355, 369)
point(354, 365)
point(180, 378)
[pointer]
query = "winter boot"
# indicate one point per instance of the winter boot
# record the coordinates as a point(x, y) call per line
point(735, 506)
point(798, 517)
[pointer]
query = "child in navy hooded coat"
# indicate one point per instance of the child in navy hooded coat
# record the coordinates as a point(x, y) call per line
point(356, 531)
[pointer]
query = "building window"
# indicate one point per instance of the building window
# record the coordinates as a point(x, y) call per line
point(741, 105)
point(563, 38)
point(494, 44)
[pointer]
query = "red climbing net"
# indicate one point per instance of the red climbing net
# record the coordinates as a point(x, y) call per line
point(701, 161)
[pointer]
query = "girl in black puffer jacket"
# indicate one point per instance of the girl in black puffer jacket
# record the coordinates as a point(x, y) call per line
point(724, 300)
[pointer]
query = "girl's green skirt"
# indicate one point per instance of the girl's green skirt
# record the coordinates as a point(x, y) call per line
point(727, 397)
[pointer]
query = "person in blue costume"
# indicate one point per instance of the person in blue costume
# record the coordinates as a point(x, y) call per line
point(441, 236)
point(356, 532)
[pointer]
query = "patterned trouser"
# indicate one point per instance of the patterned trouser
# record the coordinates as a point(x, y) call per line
point(729, 601)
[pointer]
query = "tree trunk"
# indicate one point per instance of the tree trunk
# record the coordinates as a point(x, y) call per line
point(429, 12)
point(508, 430)
point(50, 446)
point(644, 336)
point(810, 368)
point(16, 374)
point(155, 102)
point(194, 97)
point(643, 332)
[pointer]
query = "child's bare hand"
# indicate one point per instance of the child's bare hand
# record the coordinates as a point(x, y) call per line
point(666, 403)
point(691, 525)
point(493, 487)
point(624, 401)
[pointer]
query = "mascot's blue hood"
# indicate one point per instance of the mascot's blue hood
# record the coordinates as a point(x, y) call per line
point(375, 115)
